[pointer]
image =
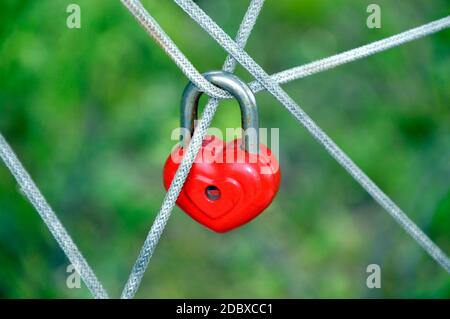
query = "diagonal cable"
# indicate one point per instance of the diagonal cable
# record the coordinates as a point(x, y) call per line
point(355, 54)
point(176, 186)
point(159, 35)
point(30, 190)
point(198, 15)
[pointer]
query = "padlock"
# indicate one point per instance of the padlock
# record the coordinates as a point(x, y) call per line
point(229, 183)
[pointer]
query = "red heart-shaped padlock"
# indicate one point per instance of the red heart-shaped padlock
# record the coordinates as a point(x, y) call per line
point(227, 186)
point(229, 183)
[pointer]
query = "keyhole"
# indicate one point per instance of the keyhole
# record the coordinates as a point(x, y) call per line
point(212, 192)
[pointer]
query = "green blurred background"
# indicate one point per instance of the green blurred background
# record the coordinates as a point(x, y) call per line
point(90, 113)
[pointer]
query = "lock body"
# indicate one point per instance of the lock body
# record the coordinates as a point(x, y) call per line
point(227, 186)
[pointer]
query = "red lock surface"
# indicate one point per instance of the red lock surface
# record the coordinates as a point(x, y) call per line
point(221, 193)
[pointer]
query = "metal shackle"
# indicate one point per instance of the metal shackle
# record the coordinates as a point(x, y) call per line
point(240, 91)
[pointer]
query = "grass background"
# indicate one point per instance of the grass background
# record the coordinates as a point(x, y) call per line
point(90, 113)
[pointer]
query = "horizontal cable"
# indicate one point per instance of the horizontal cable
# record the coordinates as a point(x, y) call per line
point(199, 16)
point(355, 54)
point(49, 217)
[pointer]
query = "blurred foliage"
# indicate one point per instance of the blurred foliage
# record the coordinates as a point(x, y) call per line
point(90, 113)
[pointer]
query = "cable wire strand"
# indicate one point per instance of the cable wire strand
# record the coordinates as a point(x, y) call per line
point(205, 22)
point(159, 35)
point(32, 193)
point(355, 54)
point(179, 179)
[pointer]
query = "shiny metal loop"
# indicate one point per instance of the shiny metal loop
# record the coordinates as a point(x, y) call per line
point(240, 91)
